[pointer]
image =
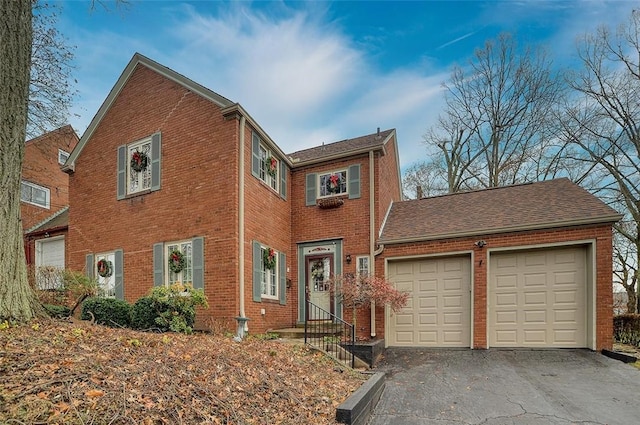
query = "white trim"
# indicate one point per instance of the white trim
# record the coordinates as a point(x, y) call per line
point(165, 258)
point(111, 280)
point(138, 146)
point(276, 274)
point(330, 173)
point(62, 153)
point(35, 186)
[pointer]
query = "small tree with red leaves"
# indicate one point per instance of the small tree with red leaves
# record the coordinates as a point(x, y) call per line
point(356, 291)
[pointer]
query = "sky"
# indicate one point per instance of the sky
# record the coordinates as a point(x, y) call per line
point(317, 72)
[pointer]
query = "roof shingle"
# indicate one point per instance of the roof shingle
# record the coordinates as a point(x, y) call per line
point(342, 147)
point(547, 204)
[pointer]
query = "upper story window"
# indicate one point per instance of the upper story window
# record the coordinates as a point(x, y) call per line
point(269, 168)
point(139, 166)
point(62, 156)
point(334, 183)
point(266, 166)
point(34, 194)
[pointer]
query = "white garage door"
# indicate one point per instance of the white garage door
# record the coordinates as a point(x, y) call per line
point(538, 298)
point(438, 313)
point(49, 262)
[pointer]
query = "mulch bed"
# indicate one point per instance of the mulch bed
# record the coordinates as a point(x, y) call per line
point(78, 373)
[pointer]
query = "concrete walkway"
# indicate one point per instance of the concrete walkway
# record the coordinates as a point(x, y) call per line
point(495, 387)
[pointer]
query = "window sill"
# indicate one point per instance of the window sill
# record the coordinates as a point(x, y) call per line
point(136, 194)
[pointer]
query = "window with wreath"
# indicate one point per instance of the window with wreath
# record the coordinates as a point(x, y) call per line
point(267, 166)
point(269, 277)
point(179, 264)
point(105, 264)
point(334, 183)
point(269, 273)
point(139, 166)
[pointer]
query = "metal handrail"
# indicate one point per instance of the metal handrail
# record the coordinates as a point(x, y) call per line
point(329, 333)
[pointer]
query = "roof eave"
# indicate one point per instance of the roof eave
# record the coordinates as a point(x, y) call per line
point(456, 235)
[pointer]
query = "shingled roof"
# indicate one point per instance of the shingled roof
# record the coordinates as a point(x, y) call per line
point(59, 219)
point(342, 148)
point(547, 204)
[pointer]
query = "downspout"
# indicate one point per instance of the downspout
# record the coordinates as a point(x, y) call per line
point(372, 236)
point(241, 226)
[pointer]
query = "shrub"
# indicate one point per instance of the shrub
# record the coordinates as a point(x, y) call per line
point(175, 306)
point(57, 311)
point(107, 311)
point(626, 329)
point(144, 313)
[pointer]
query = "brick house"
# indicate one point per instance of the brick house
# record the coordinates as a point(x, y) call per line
point(168, 167)
point(45, 197)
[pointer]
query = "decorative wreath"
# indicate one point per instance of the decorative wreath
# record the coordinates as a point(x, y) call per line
point(269, 258)
point(139, 161)
point(105, 268)
point(333, 183)
point(317, 269)
point(176, 261)
point(272, 166)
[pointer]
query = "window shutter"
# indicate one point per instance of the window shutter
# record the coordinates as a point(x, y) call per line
point(354, 181)
point(118, 273)
point(197, 246)
point(257, 272)
point(255, 155)
point(282, 290)
point(158, 264)
point(156, 154)
point(89, 266)
point(122, 172)
point(283, 179)
point(311, 189)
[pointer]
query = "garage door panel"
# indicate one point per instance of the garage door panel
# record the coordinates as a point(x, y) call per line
point(547, 306)
point(440, 303)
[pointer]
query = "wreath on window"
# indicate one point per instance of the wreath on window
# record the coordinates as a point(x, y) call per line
point(333, 183)
point(105, 268)
point(139, 161)
point(272, 166)
point(176, 261)
point(269, 258)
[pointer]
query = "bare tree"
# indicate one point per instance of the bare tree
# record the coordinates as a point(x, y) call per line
point(603, 121)
point(495, 128)
point(17, 299)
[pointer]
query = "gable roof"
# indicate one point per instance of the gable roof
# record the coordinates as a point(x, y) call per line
point(540, 205)
point(59, 219)
point(140, 60)
point(343, 148)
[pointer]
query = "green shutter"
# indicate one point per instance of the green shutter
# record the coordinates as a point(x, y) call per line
point(158, 264)
point(311, 189)
point(122, 172)
point(197, 252)
point(89, 266)
point(118, 273)
point(257, 272)
point(283, 179)
point(156, 155)
point(282, 290)
point(354, 181)
point(255, 155)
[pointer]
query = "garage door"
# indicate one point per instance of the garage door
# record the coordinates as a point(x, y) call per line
point(49, 262)
point(538, 298)
point(438, 313)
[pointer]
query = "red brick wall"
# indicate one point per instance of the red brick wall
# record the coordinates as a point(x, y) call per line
point(199, 188)
point(603, 285)
point(387, 181)
point(40, 166)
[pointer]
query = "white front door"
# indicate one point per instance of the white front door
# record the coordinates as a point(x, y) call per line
point(49, 262)
point(319, 271)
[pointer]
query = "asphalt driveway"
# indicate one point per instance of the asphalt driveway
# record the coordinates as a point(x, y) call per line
point(491, 387)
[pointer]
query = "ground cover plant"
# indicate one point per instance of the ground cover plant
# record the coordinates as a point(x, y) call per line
point(61, 372)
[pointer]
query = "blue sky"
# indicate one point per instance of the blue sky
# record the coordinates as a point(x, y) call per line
point(314, 72)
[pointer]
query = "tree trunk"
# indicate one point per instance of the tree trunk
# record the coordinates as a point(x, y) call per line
point(17, 300)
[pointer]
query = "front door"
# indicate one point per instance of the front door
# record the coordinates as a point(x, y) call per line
point(319, 271)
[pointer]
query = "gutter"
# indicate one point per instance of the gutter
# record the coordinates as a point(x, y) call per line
point(372, 236)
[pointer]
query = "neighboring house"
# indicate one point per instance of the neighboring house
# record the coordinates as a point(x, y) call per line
point(171, 174)
point(45, 197)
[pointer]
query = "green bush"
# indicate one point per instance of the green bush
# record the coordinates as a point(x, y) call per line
point(107, 311)
point(626, 329)
point(175, 306)
point(144, 313)
point(57, 311)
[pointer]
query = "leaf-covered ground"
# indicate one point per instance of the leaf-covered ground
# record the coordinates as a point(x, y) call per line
point(78, 373)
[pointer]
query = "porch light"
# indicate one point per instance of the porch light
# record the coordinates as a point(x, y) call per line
point(348, 258)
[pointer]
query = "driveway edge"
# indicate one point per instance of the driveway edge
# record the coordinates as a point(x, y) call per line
point(356, 409)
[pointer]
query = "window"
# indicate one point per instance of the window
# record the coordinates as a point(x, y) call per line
point(34, 194)
point(180, 273)
point(266, 166)
point(363, 266)
point(139, 176)
point(269, 278)
point(105, 264)
point(269, 274)
point(62, 156)
point(269, 167)
point(331, 184)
